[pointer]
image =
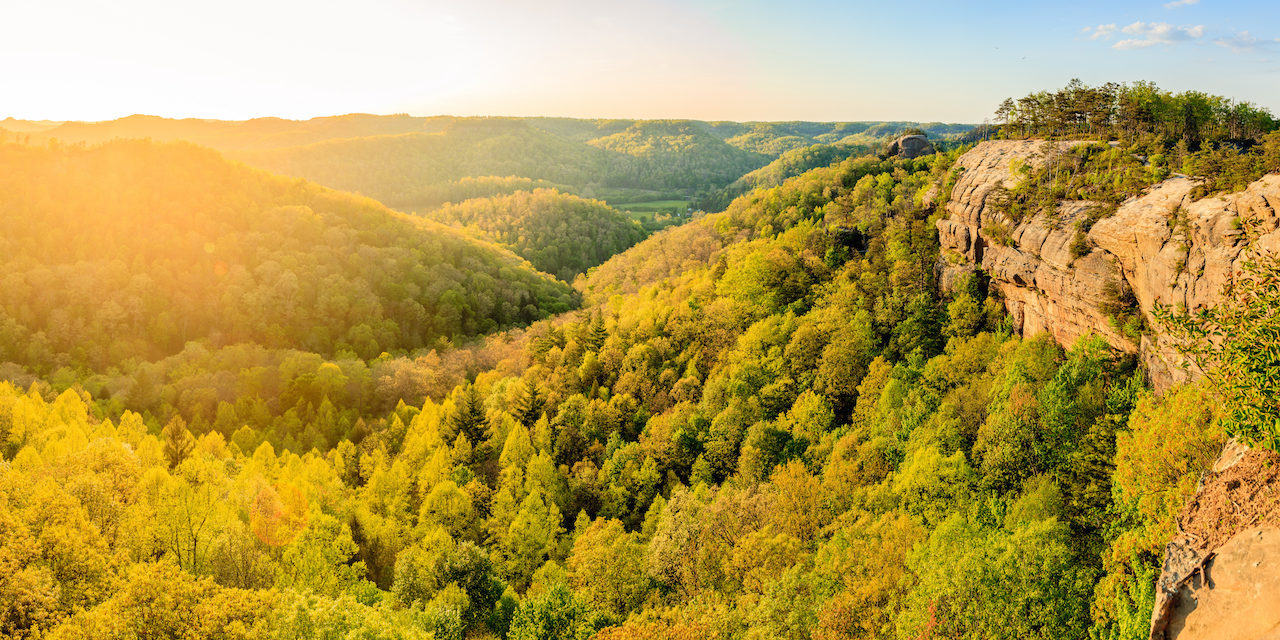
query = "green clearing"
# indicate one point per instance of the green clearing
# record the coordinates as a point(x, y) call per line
point(654, 215)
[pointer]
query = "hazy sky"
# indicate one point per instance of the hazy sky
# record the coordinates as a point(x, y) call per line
point(796, 60)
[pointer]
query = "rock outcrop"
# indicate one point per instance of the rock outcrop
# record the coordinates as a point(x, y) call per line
point(1163, 246)
point(1222, 575)
point(912, 146)
point(1226, 564)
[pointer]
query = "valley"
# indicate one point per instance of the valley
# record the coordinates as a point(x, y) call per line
point(438, 377)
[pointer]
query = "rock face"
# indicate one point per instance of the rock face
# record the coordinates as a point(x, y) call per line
point(1226, 564)
point(1221, 578)
point(912, 146)
point(1162, 246)
point(1239, 583)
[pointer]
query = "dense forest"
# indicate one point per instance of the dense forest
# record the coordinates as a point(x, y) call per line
point(131, 250)
point(470, 187)
point(559, 233)
point(770, 422)
point(789, 164)
point(418, 163)
point(674, 155)
point(405, 171)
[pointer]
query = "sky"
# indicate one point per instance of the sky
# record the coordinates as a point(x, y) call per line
point(950, 61)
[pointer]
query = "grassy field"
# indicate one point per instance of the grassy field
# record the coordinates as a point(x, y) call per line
point(655, 214)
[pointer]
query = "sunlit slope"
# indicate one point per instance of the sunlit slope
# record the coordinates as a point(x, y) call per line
point(559, 233)
point(132, 249)
point(415, 171)
point(408, 171)
point(764, 211)
point(417, 163)
point(675, 154)
point(790, 164)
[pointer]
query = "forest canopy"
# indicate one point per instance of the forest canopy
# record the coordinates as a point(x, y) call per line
point(236, 405)
point(132, 249)
point(797, 434)
point(559, 233)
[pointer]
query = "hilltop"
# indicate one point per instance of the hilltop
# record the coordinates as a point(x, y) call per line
point(133, 249)
point(561, 234)
point(413, 162)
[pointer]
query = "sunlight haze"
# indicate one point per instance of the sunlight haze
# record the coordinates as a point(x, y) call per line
point(709, 60)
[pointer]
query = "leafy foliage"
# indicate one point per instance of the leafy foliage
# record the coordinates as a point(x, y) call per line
point(560, 234)
point(131, 250)
point(789, 164)
point(1225, 143)
point(1131, 111)
point(1235, 344)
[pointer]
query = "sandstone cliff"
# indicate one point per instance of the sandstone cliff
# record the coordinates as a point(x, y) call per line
point(1220, 579)
point(1162, 246)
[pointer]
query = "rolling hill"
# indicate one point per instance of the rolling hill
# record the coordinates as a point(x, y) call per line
point(559, 233)
point(131, 249)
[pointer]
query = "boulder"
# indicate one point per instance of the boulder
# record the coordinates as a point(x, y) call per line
point(912, 146)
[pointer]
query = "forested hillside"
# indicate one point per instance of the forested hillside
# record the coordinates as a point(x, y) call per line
point(674, 155)
point(418, 163)
point(480, 187)
point(788, 165)
point(769, 423)
point(776, 138)
point(406, 171)
point(131, 250)
point(561, 234)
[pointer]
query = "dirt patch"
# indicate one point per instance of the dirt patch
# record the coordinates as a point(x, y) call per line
point(1240, 496)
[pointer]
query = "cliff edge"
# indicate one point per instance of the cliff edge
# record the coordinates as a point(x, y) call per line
point(1221, 576)
point(1162, 247)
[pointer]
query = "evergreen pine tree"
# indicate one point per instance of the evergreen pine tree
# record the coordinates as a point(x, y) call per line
point(178, 441)
point(529, 405)
point(468, 416)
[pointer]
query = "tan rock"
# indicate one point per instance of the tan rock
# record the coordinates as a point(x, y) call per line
point(1235, 595)
point(1165, 248)
point(912, 146)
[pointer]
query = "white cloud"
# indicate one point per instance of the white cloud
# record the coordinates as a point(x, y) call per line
point(1150, 34)
point(1180, 3)
point(1100, 32)
point(1245, 42)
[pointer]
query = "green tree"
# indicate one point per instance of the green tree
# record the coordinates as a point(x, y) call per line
point(178, 441)
point(1234, 344)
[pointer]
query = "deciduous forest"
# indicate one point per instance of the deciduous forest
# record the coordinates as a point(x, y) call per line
point(235, 404)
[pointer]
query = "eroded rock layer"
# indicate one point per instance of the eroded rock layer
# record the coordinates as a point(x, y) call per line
point(1163, 246)
point(1221, 576)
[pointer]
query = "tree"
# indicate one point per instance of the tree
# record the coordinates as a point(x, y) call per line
point(529, 404)
point(178, 441)
point(554, 615)
point(468, 416)
point(606, 568)
point(531, 539)
point(1235, 344)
